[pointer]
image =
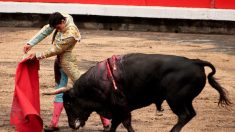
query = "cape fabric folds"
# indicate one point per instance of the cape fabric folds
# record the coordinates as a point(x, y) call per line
point(25, 111)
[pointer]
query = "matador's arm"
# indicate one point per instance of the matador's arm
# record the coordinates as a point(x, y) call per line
point(43, 33)
point(57, 48)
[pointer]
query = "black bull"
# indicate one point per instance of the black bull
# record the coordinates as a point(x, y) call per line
point(142, 79)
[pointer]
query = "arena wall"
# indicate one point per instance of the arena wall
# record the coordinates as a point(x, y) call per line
point(197, 16)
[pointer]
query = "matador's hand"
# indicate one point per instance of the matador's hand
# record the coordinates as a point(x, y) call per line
point(27, 47)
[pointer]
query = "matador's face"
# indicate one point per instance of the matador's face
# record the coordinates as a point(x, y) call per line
point(61, 27)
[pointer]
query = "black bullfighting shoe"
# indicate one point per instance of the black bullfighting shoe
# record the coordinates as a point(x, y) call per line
point(50, 129)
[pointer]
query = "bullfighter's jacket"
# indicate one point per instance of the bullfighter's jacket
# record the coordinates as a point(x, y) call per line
point(62, 46)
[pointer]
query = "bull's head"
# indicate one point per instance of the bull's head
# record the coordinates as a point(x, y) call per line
point(77, 113)
point(79, 105)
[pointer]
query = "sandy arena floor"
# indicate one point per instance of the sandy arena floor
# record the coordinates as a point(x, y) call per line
point(98, 45)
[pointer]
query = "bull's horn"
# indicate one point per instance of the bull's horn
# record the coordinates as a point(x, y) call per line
point(57, 91)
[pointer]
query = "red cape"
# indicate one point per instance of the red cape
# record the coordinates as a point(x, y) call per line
point(25, 111)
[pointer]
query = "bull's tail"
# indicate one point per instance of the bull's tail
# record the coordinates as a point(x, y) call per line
point(223, 99)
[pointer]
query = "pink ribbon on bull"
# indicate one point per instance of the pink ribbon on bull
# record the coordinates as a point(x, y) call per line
point(110, 72)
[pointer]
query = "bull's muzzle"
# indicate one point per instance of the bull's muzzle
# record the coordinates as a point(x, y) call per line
point(77, 124)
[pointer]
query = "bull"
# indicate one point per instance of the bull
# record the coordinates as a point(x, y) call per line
point(140, 79)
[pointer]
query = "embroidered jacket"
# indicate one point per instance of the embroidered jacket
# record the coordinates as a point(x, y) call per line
point(62, 46)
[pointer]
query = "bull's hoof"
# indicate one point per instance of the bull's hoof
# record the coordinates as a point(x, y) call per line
point(107, 128)
point(50, 129)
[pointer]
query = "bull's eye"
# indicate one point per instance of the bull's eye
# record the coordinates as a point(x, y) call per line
point(67, 103)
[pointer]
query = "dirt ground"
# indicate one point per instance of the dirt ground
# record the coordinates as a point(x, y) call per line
point(96, 45)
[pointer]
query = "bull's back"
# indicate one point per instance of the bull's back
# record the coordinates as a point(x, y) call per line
point(149, 77)
point(143, 67)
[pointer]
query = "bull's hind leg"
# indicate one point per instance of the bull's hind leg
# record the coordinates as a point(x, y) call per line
point(184, 110)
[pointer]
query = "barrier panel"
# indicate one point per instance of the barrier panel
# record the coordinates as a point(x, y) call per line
point(218, 4)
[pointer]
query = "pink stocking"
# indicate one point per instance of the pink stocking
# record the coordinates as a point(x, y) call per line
point(58, 107)
point(105, 121)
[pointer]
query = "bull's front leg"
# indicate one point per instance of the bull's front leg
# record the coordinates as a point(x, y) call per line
point(115, 122)
point(125, 120)
point(127, 123)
